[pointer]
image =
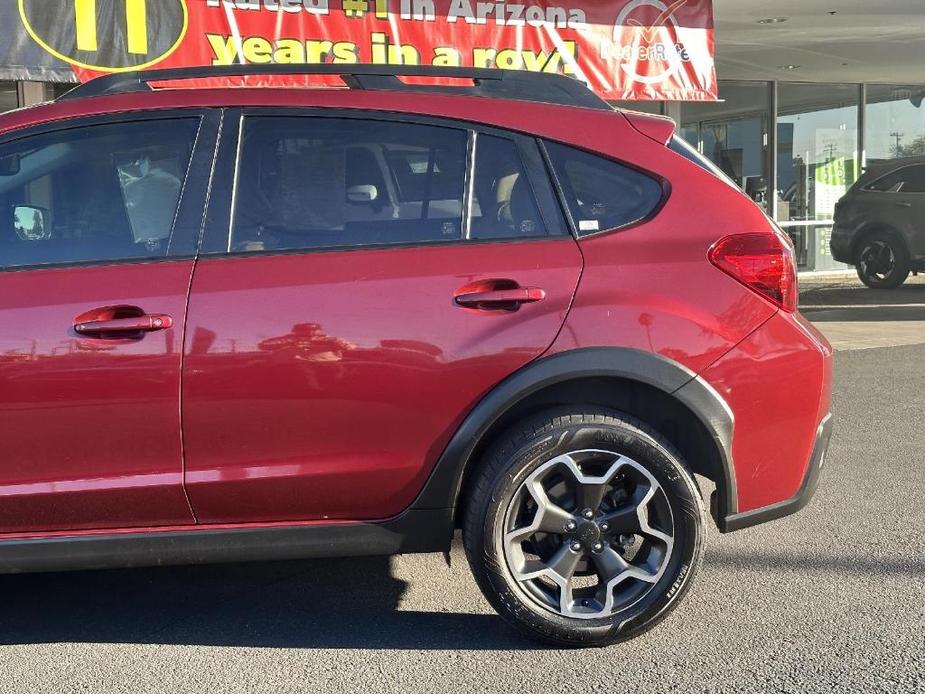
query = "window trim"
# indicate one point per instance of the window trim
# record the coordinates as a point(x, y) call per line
point(472, 142)
point(233, 201)
point(196, 184)
point(557, 186)
point(218, 229)
point(544, 186)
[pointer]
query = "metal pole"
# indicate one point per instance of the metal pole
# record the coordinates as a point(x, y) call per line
point(772, 149)
point(862, 127)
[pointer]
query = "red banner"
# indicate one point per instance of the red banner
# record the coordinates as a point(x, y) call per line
point(623, 49)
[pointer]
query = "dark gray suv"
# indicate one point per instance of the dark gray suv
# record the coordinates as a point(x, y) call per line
point(880, 224)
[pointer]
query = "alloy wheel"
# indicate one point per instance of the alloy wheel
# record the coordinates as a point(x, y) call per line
point(588, 534)
point(877, 261)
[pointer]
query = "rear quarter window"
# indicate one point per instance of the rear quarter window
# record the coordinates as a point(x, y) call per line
point(602, 194)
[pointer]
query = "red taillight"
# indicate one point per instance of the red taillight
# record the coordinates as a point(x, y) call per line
point(763, 262)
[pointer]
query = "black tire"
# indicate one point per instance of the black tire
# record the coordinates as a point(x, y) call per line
point(882, 261)
point(516, 456)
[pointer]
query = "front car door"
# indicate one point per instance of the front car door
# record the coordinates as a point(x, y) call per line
point(379, 277)
point(99, 222)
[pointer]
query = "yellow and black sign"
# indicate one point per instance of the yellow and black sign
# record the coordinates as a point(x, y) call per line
point(107, 35)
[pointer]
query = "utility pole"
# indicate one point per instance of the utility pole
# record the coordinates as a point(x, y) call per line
point(899, 138)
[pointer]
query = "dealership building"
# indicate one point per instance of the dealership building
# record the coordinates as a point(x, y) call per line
point(811, 92)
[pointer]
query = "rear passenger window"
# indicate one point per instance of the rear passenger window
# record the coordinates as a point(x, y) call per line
point(909, 179)
point(97, 193)
point(891, 182)
point(316, 182)
point(503, 202)
point(602, 194)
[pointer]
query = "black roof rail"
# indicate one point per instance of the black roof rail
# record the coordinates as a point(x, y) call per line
point(520, 85)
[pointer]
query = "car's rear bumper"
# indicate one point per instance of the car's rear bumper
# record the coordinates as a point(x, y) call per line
point(777, 385)
point(738, 521)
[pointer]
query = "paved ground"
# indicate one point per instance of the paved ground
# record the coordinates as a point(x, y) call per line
point(854, 317)
point(830, 600)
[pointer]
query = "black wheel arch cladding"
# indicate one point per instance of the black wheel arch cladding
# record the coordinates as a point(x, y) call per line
point(443, 486)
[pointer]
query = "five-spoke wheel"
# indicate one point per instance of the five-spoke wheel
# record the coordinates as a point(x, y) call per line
point(583, 527)
point(587, 533)
point(882, 262)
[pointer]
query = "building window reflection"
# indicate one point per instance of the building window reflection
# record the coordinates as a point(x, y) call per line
point(817, 148)
point(818, 160)
point(9, 97)
point(53, 90)
point(895, 124)
point(732, 133)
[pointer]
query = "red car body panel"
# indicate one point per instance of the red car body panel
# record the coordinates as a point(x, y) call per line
point(325, 385)
point(90, 427)
point(635, 294)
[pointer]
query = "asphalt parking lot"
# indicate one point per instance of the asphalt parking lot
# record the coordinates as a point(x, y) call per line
point(830, 600)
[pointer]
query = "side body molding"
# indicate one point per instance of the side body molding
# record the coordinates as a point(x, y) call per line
point(443, 486)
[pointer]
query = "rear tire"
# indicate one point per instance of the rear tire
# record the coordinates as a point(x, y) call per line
point(882, 261)
point(583, 527)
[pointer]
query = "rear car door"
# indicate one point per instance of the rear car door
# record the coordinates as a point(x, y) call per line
point(897, 200)
point(371, 281)
point(99, 223)
point(910, 208)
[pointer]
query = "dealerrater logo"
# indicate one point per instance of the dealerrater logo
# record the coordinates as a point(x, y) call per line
point(107, 35)
point(655, 51)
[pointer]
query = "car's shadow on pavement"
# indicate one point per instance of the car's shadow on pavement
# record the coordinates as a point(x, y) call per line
point(342, 603)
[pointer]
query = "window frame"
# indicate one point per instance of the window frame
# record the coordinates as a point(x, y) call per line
point(186, 230)
point(663, 182)
point(219, 224)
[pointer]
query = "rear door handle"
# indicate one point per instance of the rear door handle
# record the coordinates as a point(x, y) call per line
point(120, 327)
point(903, 204)
point(501, 299)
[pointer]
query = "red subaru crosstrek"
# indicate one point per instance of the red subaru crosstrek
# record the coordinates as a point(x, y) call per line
point(266, 323)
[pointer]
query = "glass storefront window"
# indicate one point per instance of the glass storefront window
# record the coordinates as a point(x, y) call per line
point(895, 121)
point(817, 148)
point(733, 133)
point(55, 89)
point(9, 98)
point(643, 106)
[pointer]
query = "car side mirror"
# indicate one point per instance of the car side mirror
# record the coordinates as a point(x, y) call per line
point(9, 165)
point(364, 193)
point(29, 222)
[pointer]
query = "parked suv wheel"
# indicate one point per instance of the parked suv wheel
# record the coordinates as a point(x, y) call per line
point(882, 262)
point(583, 528)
